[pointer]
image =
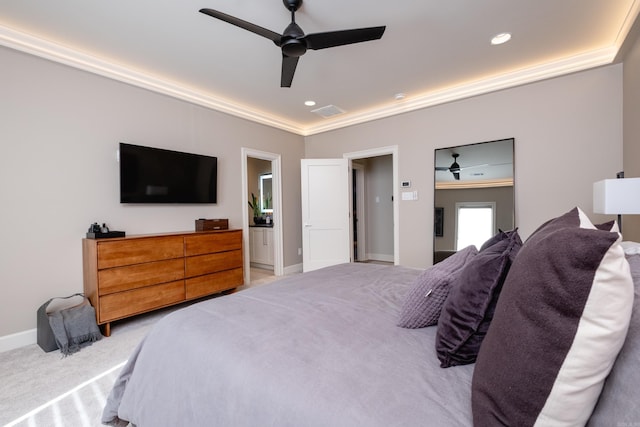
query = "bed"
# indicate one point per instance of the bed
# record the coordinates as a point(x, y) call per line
point(321, 349)
point(324, 349)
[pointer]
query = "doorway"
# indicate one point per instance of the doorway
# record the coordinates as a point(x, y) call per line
point(373, 205)
point(333, 229)
point(262, 228)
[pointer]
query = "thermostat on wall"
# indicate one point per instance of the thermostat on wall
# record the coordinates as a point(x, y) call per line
point(405, 184)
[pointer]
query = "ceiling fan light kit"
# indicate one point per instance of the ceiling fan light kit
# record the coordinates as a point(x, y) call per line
point(294, 43)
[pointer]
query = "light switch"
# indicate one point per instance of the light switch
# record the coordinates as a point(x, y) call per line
point(409, 195)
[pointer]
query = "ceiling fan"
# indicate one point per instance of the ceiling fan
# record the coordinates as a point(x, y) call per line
point(455, 167)
point(294, 42)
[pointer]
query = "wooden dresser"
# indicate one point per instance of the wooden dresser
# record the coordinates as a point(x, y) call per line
point(132, 275)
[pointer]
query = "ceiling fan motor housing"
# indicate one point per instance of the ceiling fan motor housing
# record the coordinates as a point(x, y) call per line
point(455, 167)
point(292, 5)
point(292, 43)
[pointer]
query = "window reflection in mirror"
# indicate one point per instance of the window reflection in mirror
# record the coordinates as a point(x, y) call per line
point(469, 176)
point(266, 201)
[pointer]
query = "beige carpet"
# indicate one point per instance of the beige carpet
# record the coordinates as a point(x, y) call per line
point(46, 389)
point(42, 389)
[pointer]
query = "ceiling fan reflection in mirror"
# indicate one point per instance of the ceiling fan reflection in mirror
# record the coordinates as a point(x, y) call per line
point(294, 42)
point(455, 167)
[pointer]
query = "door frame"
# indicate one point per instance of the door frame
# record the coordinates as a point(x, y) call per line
point(362, 216)
point(278, 259)
point(376, 152)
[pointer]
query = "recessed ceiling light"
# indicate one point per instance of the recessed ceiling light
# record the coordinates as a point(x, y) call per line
point(501, 38)
point(399, 96)
point(309, 103)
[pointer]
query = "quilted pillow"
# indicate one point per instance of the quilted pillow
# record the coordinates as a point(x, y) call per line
point(427, 295)
point(561, 319)
point(468, 311)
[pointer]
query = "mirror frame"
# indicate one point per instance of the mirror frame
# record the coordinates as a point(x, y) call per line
point(265, 198)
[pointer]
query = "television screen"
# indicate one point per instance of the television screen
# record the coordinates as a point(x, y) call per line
point(154, 175)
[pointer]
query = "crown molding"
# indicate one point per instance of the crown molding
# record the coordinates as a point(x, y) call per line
point(46, 49)
point(455, 93)
point(55, 52)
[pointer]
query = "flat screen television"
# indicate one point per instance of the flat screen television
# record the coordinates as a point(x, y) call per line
point(154, 175)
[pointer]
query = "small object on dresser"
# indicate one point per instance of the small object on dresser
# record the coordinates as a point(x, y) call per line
point(212, 224)
point(102, 232)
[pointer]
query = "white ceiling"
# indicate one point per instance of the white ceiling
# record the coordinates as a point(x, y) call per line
point(433, 51)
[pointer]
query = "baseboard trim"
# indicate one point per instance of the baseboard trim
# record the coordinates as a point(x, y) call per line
point(293, 269)
point(380, 257)
point(17, 340)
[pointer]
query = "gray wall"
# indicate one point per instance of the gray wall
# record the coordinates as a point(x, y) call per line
point(379, 219)
point(60, 129)
point(631, 223)
point(573, 120)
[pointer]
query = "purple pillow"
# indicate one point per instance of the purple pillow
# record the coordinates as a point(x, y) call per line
point(561, 319)
point(500, 236)
point(425, 299)
point(468, 311)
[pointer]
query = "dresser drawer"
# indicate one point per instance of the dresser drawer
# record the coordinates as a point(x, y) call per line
point(135, 251)
point(211, 263)
point(212, 242)
point(137, 276)
point(214, 283)
point(124, 304)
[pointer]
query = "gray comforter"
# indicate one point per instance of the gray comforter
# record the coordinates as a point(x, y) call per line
point(317, 349)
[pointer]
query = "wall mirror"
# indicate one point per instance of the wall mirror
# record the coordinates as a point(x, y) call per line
point(266, 205)
point(474, 195)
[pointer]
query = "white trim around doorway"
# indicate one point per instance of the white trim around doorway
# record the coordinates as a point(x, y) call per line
point(278, 259)
point(383, 151)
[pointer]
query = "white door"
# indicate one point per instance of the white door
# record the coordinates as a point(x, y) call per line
point(325, 213)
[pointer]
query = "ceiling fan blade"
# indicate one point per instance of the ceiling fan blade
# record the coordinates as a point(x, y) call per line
point(474, 166)
point(271, 35)
point(339, 38)
point(289, 64)
point(456, 176)
point(442, 168)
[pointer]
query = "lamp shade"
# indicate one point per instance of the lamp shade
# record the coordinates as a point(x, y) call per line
point(617, 196)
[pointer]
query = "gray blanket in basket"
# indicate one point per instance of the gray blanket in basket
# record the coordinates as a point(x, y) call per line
point(75, 327)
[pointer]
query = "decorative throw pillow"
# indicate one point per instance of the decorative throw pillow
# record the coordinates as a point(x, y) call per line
point(561, 319)
point(468, 311)
point(618, 402)
point(425, 299)
point(500, 236)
